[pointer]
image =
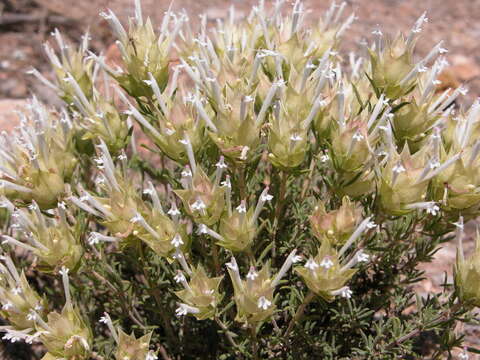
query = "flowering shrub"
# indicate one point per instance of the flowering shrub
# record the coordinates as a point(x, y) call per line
point(282, 207)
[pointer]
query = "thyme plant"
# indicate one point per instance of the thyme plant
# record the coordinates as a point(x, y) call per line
point(279, 210)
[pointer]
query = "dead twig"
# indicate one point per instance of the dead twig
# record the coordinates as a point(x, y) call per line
point(13, 18)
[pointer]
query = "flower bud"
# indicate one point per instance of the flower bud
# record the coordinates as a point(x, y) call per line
point(201, 292)
point(72, 63)
point(253, 296)
point(129, 347)
point(160, 233)
point(238, 230)
point(324, 274)
point(391, 66)
point(467, 270)
point(335, 114)
point(143, 53)
point(203, 200)
point(38, 160)
point(237, 127)
point(67, 335)
point(177, 122)
point(401, 183)
point(411, 122)
point(105, 123)
point(52, 240)
point(457, 186)
point(93, 110)
point(17, 298)
point(337, 225)
point(456, 180)
point(120, 203)
point(288, 140)
point(350, 149)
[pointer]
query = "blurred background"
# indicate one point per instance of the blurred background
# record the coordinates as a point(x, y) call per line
point(26, 24)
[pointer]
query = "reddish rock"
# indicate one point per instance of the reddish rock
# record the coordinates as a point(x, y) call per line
point(8, 113)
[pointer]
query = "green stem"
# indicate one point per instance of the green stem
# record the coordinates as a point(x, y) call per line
point(226, 332)
point(307, 181)
point(242, 183)
point(445, 317)
point(121, 295)
point(216, 262)
point(300, 311)
point(253, 336)
point(279, 211)
point(163, 312)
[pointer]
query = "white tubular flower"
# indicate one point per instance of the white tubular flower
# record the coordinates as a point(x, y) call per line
point(311, 264)
point(7, 306)
point(358, 137)
point(362, 256)
point(151, 356)
point(202, 229)
point(180, 277)
point(181, 259)
point(252, 274)
point(399, 168)
point(106, 319)
point(264, 197)
point(187, 173)
point(32, 315)
point(430, 207)
point(66, 285)
point(95, 238)
point(14, 336)
point(243, 154)
point(191, 156)
point(226, 183)
point(233, 266)
point(264, 303)
point(198, 205)
point(242, 208)
point(433, 209)
point(364, 225)
point(221, 166)
point(16, 291)
point(326, 263)
point(184, 309)
point(291, 259)
point(344, 292)
point(296, 137)
point(221, 163)
point(173, 210)
point(137, 218)
point(177, 241)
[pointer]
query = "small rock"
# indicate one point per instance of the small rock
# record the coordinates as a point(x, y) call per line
point(8, 116)
point(465, 68)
